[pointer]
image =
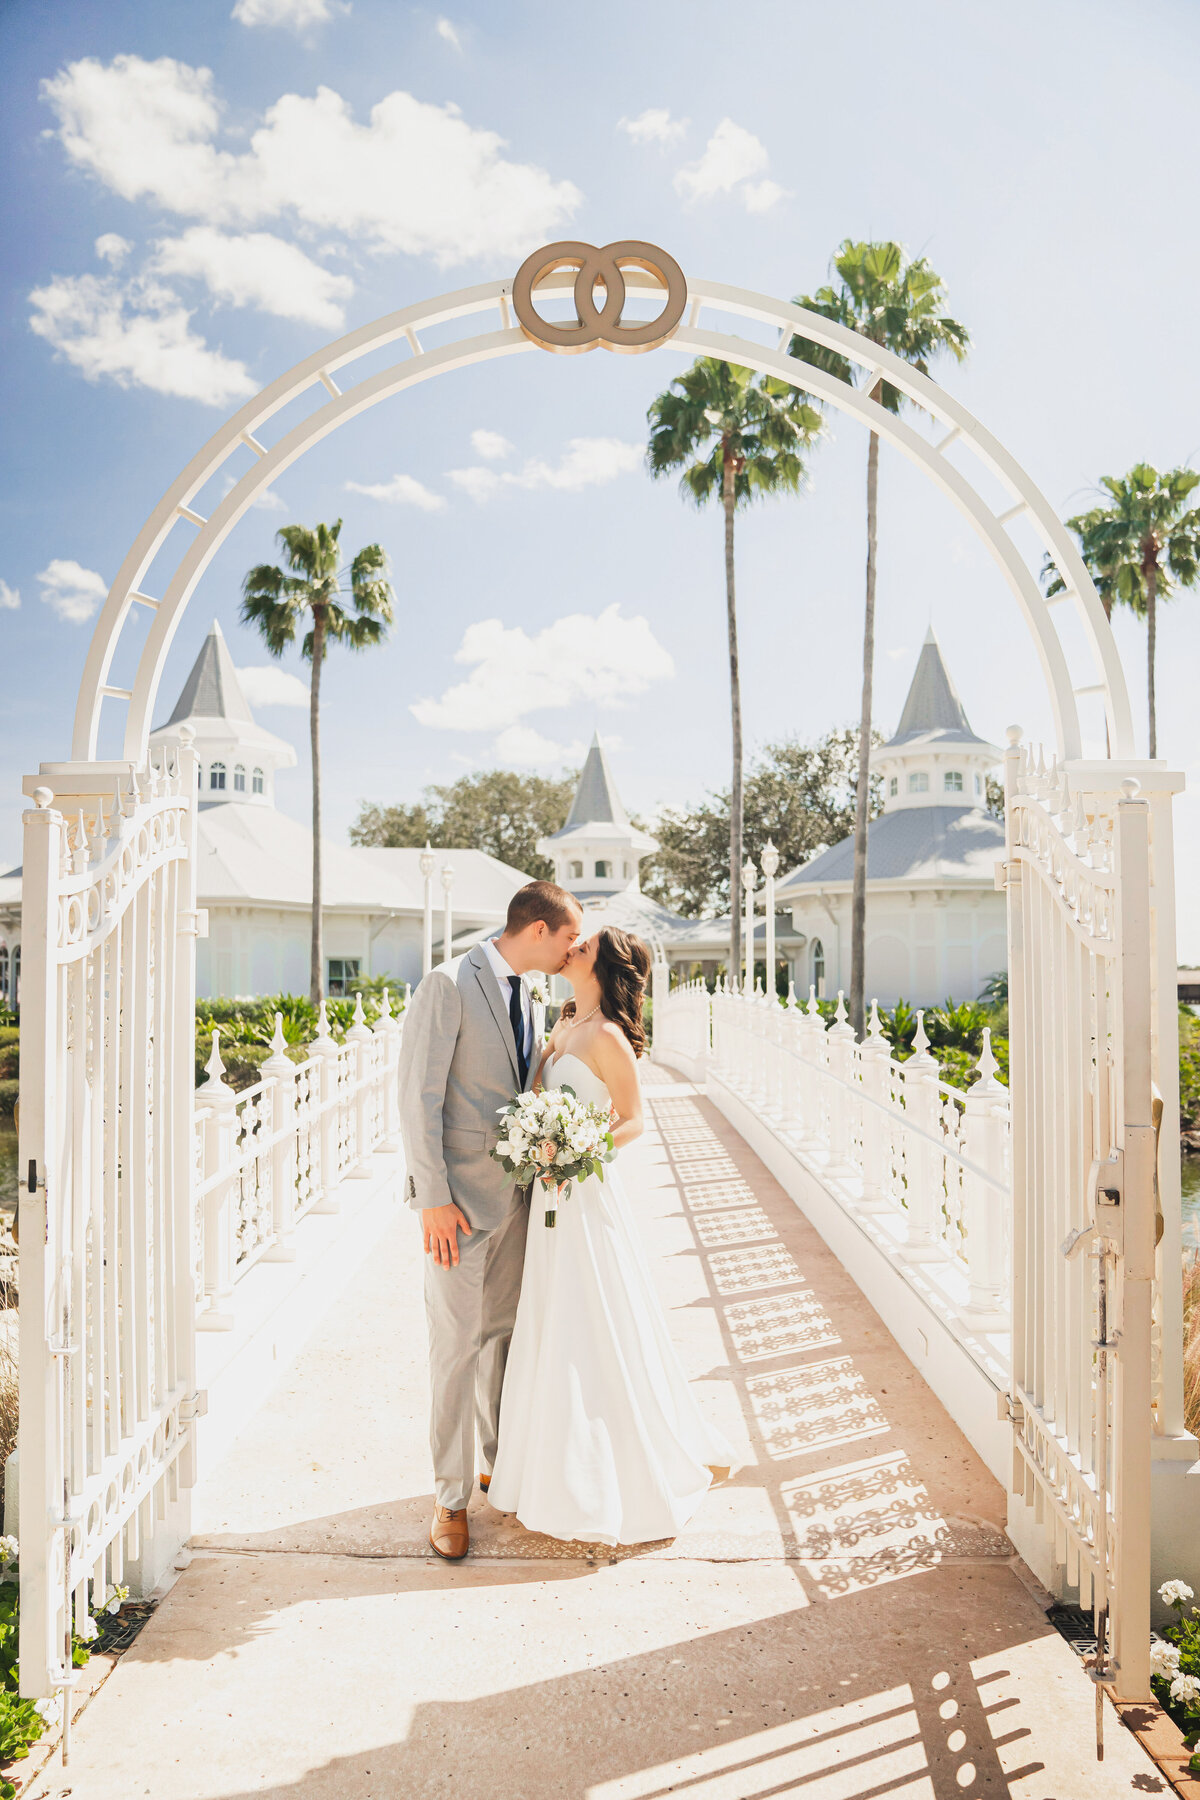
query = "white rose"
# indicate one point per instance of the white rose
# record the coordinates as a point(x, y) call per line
point(1172, 1593)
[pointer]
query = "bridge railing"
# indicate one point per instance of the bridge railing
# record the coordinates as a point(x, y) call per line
point(932, 1160)
point(269, 1154)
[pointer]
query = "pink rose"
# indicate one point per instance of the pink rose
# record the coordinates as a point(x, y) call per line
point(546, 1152)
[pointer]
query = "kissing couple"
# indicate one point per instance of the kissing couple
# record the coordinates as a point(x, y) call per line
point(549, 1350)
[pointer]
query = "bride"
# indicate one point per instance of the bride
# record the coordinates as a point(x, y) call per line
point(600, 1436)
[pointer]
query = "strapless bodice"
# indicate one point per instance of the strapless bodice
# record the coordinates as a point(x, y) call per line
point(585, 1081)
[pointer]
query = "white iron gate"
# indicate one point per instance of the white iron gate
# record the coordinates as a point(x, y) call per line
point(1081, 999)
point(107, 1373)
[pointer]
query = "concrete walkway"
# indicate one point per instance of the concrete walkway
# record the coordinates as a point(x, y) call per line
point(842, 1620)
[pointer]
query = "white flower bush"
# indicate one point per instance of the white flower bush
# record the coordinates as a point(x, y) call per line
point(1173, 1593)
point(1164, 1658)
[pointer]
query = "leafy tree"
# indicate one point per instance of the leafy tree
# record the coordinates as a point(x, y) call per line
point(736, 437)
point(1139, 548)
point(799, 795)
point(497, 810)
point(898, 304)
point(311, 593)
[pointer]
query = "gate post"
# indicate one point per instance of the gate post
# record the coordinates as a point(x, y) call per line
point(43, 1549)
point(1131, 1643)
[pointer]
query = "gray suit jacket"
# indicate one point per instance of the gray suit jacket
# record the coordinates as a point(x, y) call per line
point(458, 1066)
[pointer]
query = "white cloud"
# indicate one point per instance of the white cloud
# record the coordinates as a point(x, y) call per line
point(138, 334)
point(415, 178)
point(257, 269)
point(72, 591)
point(525, 746)
point(898, 652)
point(266, 684)
point(403, 490)
point(112, 248)
point(490, 444)
point(268, 500)
point(600, 660)
point(654, 126)
point(588, 462)
point(731, 156)
point(10, 597)
point(296, 14)
point(446, 30)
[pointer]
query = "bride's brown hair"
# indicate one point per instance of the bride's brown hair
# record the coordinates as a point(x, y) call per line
point(623, 968)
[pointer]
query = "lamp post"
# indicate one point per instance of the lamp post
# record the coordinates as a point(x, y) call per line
point(427, 862)
point(447, 913)
point(770, 863)
point(749, 873)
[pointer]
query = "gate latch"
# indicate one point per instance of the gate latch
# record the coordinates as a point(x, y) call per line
point(1105, 1185)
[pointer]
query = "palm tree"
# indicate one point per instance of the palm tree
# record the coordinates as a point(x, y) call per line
point(738, 436)
point(310, 591)
point(898, 305)
point(1138, 549)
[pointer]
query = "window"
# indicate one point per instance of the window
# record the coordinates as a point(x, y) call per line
point(603, 871)
point(239, 779)
point(818, 967)
point(893, 787)
point(257, 780)
point(14, 984)
point(4, 972)
point(199, 776)
point(216, 776)
point(342, 971)
point(918, 783)
point(576, 871)
point(952, 781)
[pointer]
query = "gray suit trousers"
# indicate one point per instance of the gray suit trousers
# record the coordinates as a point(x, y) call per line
point(470, 1310)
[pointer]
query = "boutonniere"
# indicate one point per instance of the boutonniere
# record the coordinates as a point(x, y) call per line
point(538, 988)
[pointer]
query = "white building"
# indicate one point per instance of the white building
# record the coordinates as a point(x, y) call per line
point(254, 867)
point(936, 925)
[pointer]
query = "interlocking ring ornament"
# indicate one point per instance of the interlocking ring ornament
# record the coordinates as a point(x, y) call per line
point(599, 324)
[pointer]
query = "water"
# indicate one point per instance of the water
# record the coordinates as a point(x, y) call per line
point(1190, 1184)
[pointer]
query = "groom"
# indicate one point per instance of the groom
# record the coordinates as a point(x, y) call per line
point(472, 1038)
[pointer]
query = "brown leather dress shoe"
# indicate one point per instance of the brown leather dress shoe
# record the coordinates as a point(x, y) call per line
point(448, 1534)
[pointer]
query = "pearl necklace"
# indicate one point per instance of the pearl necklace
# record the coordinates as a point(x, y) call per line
point(585, 1018)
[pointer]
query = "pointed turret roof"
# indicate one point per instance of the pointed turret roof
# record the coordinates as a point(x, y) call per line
point(596, 799)
point(933, 706)
point(212, 690)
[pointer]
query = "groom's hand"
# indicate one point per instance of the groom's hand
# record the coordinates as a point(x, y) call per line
point(441, 1227)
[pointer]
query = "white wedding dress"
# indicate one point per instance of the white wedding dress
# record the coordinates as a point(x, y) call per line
point(600, 1437)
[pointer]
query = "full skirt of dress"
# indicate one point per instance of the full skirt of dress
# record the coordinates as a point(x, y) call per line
point(601, 1439)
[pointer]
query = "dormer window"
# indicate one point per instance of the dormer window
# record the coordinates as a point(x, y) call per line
point(918, 782)
point(257, 781)
point(216, 777)
point(239, 779)
point(952, 781)
point(576, 871)
point(893, 787)
point(603, 871)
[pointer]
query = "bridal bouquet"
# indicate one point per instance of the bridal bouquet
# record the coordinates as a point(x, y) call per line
point(553, 1137)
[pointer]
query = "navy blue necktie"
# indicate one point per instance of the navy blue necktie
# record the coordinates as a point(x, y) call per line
point(518, 1024)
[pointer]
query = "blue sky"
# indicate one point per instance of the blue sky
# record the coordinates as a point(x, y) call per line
point(198, 197)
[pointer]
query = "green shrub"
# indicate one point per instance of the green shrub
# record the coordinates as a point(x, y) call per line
point(10, 1061)
point(9, 1034)
point(8, 1097)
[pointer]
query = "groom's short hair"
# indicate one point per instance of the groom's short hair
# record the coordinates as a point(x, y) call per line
point(541, 900)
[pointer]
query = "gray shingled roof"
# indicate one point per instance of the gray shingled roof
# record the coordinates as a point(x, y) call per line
point(596, 799)
point(212, 690)
point(930, 843)
point(933, 705)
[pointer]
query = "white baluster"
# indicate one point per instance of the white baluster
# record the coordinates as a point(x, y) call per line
point(839, 1042)
point(985, 1129)
point(388, 1030)
point(922, 1161)
point(873, 1058)
point(219, 1222)
point(324, 1047)
point(280, 1070)
point(362, 1037)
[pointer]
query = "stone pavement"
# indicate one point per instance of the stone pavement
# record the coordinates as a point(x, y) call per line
point(842, 1620)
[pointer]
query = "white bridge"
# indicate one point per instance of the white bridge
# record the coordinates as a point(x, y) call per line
point(1022, 1245)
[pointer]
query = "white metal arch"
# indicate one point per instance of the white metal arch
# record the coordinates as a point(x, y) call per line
point(1105, 679)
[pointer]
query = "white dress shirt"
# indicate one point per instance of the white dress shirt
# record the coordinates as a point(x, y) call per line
point(503, 973)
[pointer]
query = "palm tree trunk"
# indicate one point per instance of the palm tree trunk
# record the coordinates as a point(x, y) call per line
point(1151, 636)
point(735, 709)
point(858, 903)
point(317, 958)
